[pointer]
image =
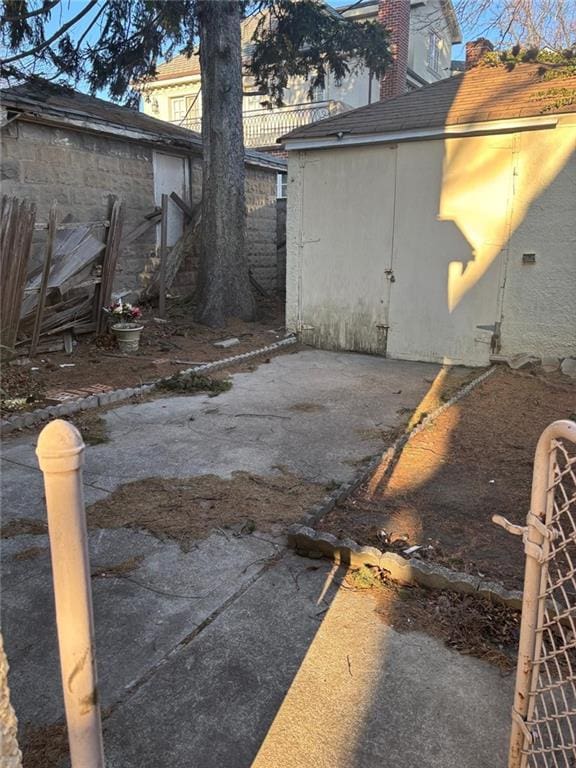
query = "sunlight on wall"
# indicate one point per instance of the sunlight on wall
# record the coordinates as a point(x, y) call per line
point(497, 165)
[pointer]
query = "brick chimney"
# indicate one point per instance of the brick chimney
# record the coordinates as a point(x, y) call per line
point(476, 50)
point(394, 15)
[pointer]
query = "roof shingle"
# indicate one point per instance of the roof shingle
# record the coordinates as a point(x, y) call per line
point(42, 98)
point(481, 94)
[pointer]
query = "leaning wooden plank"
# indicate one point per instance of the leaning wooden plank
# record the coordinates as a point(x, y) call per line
point(104, 295)
point(259, 288)
point(184, 207)
point(141, 229)
point(44, 283)
point(177, 253)
point(163, 256)
point(16, 230)
point(73, 225)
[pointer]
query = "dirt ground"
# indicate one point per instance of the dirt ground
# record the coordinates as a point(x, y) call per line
point(190, 509)
point(469, 624)
point(444, 485)
point(165, 349)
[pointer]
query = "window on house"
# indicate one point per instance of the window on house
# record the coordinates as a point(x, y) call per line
point(281, 185)
point(184, 107)
point(434, 48)
point(178, 109)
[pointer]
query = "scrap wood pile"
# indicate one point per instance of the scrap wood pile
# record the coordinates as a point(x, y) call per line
point(66, 294)
point(43, 306)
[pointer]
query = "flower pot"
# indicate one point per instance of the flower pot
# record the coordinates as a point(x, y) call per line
point(128, 336)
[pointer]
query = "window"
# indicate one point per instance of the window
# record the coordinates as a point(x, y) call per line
point(179, 109)
point(281, 185)
point(434, 48)
point(184, 108)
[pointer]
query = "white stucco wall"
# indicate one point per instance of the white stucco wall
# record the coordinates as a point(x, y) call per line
point(337, 289)
point(426, 18)
point(540, 298)
point(464, 212)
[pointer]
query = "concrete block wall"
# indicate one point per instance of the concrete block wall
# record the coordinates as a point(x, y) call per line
point(261, 228)
point(81, 171)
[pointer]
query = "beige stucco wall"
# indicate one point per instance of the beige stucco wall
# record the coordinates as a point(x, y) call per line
point(540, 299)
point(461, 213)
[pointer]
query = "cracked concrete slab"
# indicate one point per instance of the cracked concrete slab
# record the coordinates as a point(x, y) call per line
point(139, 617)
point(312, 412)
point(308, 675)
point(222, 656)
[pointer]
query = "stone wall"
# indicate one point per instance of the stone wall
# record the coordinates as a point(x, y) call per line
point(81, 171)
point(261, 228)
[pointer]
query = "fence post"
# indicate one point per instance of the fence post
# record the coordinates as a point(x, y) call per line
point(60, 454)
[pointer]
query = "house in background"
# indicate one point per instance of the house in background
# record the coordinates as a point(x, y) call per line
point(62, 145)
point(421, 34)
point(439, 225)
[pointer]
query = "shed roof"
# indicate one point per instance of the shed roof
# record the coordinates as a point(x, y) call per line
point(42, 100)
point(482, 94)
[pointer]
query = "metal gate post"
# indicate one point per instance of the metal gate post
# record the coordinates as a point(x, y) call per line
point(534, 541)
point(544, 537)
point(60, 454)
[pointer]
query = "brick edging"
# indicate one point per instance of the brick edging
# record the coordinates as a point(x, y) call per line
point(32, 418)
point(412, 572)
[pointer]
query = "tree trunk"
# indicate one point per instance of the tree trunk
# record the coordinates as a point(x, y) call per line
point(224, 285)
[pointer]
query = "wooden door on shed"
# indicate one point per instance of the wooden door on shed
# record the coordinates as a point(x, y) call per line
point(346, 236)
point(171, 174)
point(451, 231)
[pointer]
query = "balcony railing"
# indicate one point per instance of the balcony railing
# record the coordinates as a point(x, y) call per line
point(262, 127)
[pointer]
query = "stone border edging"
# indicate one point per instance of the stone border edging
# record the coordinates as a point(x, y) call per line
point(412, 572)
point(32, 418)
point(344, 490)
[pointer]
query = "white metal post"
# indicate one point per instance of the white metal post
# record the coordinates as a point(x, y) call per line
point(60, 454)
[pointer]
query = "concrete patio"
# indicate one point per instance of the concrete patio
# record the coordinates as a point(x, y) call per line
point(238, 653)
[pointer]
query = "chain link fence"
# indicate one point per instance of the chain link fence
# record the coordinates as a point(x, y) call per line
point(544, 712)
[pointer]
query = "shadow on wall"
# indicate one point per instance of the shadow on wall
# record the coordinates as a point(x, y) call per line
point(501, 195)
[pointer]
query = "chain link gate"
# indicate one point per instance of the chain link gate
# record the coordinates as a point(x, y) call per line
point(544, 711)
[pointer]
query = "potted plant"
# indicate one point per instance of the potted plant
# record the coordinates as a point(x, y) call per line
point(126, 325)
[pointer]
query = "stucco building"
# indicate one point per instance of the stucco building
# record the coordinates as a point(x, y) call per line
point(439, 225)
point(64, 146)
point(421, 35)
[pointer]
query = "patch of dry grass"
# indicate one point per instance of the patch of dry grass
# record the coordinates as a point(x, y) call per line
point(189, 509)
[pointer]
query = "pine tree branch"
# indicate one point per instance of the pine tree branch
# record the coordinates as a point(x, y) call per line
point(31, 14)
point(47, 43)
